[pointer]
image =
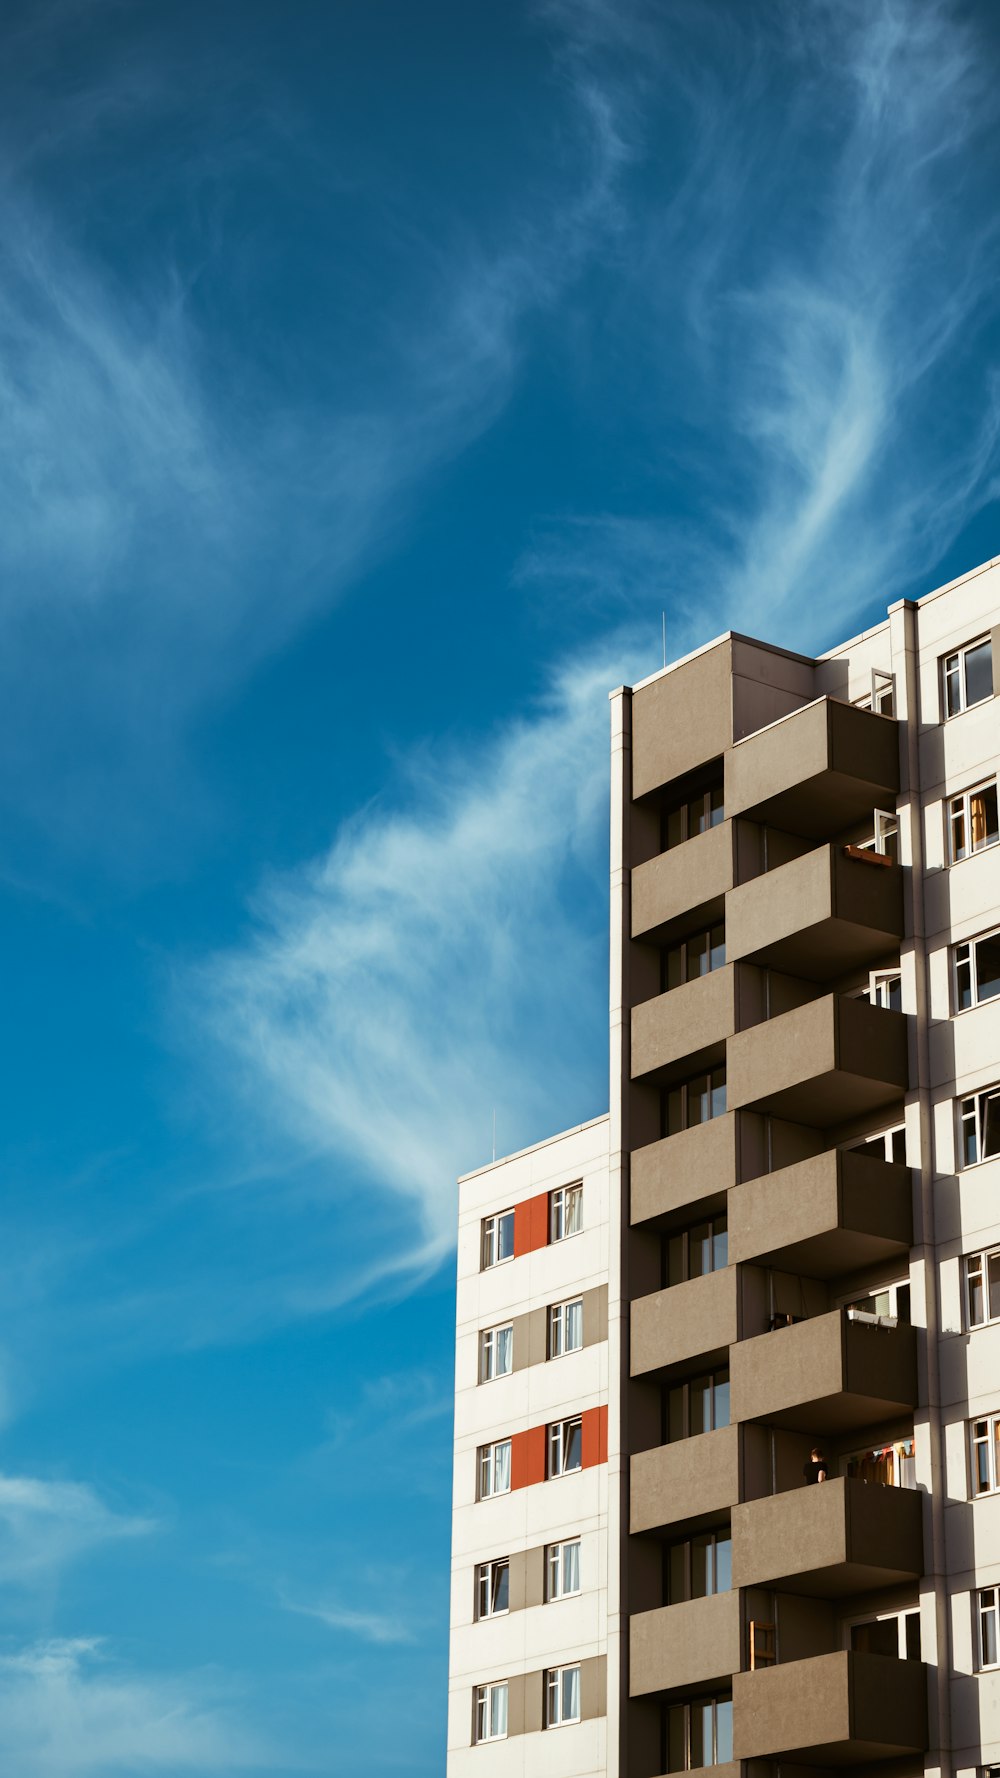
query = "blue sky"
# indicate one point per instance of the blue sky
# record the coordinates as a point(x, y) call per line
point(372, 376)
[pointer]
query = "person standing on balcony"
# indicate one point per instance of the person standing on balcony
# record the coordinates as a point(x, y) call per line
point(815, 1470)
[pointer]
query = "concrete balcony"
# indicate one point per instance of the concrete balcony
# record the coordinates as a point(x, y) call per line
point(834, 1058)
point(685, 888)
point(832, 1214)
point(684, 1645)
point(818, 916)
point(834, 1709)
point(696, 1167)
point(829, 1374)
point(688, 1482)
point(842, 1537)
point(696, 1320)
point(816, 772)
point(685, 1029)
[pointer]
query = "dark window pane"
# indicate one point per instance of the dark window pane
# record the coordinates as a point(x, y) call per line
point(991, 1127)
point(701, 1562)
point(701, 1405)
point(501, 1587)
point(987, 968)
point(979, 673)
point(677, 1574)
point(881, 1638)
point(574, 1447)
point(912, 1625)
point(993, 1276)
point(676, 1749)
point(723, 1565)
point(722, 1401)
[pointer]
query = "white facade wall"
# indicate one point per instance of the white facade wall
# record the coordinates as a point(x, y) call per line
point(538, 1636)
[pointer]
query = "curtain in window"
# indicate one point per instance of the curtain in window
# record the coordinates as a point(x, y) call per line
point(983, 816)
point(503, 1350)
point(574, 1212)
point(501, 1467)
point(573, 1326)
point(570, 1694)
point(571, 1567)
point(498, 1710)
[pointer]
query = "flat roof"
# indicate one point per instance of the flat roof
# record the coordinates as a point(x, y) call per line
point(533, 1147)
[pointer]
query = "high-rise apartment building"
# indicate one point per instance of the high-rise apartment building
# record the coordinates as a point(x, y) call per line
point(727, 1451)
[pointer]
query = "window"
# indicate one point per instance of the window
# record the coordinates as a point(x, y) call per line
point(699, 1566)
point(699, 1734)
point(694, 957)
point(967, 676)
point(698, 812)
point(982, 1288)
point(562, 1696)
point(563, 1569)
point(695, 1101)
point(988, 1611)
point(566, 1327)
point(980, 1126)
point(494, 1468)
point(565, 1446)
point(896, 1633)
point(498, 1238)
point(885, 836)
point(496, 1352)
point(565, 1212)
point(984, 1440)
point(887, 1145)
point(882, 697)
point(704, 1247)
point(886, 989)
point(491, 1711)
point(888, 1300)
point(972, 821)
point(977, 971)
point(493, 1588)
point(701, 1405)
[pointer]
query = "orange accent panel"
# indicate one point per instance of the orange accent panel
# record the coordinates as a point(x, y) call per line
point(531, 1224)
point(527, 1457)
point(595, 1436)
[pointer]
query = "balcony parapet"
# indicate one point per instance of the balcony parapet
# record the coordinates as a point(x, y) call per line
point(833, 1709)
point(818, 771)
point(688, 1482)
point(841, 1537)
point(823, 1217)
point(828, 1374)
point(832, 1059)
point(817, 916)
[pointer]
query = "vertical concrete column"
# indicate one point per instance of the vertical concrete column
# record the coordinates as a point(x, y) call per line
point(929, 1436)
point(621, 800)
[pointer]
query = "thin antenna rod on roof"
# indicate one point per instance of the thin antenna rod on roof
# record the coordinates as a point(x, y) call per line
point(663, 615)
point(494, 1132)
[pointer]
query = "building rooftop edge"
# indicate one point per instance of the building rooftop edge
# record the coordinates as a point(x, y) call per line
point(589, 1123)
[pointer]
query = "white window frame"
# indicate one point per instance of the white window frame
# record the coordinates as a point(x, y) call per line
point(882, 1617)
point(960, 806)
point(490, 1240)
point(879, 984)
point(555, 1570)
point(559, 1440)
point(485, 1714)
point(977, 1266)
point(487, 1578)
point(968, 962)
point(989, 1441)
point(489, 1346)
point(487, 1455)
point(887, 1140)
point(891, 1290)
point(986, 1603)
point(953, 666)
point(972, 1116)
point(565, 1208)
point(554, 1701)
point(558, 1323)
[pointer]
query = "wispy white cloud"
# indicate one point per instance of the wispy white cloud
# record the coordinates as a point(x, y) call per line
point(67, 1709)
point(45, 1524)
point(170, 513)
point(366, 1626)
point(431, 967)
point(816, 282)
